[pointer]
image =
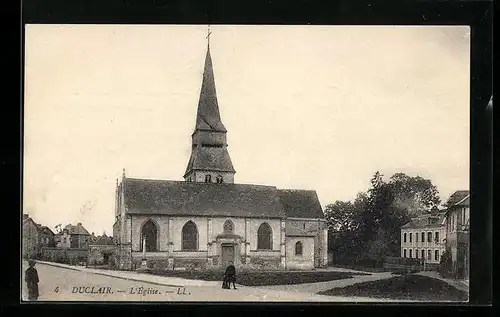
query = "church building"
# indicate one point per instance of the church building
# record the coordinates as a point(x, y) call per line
point(208, 220)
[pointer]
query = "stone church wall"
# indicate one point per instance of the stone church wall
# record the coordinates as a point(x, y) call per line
point(253, 227)
point(179, 222)
point(161, 233)
point(124, 257)
point(304, 261)
point(265, 262)
point(170, 253)
point(320, 239)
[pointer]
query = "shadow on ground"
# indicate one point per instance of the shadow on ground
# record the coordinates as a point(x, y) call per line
point(413, 287)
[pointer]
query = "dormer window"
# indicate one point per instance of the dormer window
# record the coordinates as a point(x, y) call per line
point(219, 179)
point(208, 178)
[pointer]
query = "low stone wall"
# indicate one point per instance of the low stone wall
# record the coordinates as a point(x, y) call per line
point(102, 255)
point(265, 262)
point(431, 266)
point(299, 265)
point(163, 262)
point(191, 263)
point(152, 263)
point(64, 255)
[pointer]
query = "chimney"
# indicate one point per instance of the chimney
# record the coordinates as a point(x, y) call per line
point(25, 216)
point(79, 224)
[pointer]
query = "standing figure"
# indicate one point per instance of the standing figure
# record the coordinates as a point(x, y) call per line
point(230, 275)
point(31, 279)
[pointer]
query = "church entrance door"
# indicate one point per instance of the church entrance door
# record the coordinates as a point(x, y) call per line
point(227, 254)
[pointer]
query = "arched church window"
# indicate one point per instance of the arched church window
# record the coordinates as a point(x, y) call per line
point(189, 236)
point(298, 248)
point(264, 237)
point(150, 233)
point(228, 226)
point(208, 178)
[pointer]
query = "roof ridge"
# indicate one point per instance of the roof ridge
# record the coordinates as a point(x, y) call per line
point(458, 202)
point(197, 183)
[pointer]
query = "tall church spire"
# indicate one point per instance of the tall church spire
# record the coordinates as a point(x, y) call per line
point(209, 161)
point(208, 116)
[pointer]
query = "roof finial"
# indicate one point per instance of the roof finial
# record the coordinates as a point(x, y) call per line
point(208, 36)
point(123, 174)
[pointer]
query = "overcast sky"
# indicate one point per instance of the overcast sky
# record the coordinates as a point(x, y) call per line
point(309, 107)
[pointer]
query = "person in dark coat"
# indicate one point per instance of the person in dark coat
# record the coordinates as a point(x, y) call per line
point(230, 276)
point(31, 279)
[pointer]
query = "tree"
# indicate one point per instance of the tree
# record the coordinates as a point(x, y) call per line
point(343, 219)
point(445, 265)
point(414, 194)
point(339, 216)
point(369, 227)
point(390, 205)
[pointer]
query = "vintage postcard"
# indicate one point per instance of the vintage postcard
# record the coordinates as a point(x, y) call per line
point(246, 163)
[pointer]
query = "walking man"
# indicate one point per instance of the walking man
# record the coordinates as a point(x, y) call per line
point(230, 275)
point(31, 279)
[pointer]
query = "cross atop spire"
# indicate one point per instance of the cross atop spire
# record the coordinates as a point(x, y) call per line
point(208, 35)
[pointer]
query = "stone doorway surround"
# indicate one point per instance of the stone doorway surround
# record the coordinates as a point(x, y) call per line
point(227, 254)
point(227, 240)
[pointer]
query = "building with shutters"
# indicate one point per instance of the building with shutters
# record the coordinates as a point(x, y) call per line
point(424, 238)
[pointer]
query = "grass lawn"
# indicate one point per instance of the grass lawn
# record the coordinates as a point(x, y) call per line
point(254, 278)
point(413, 287)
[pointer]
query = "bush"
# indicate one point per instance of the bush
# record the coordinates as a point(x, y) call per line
point(446, 264)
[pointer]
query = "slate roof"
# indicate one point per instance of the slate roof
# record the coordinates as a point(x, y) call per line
point(103, 240)
point(46, 230)
point(300, 203)
point(78, 229)
point(213, 158)
point(204, 199)
point(208, 116)
point(423, 221)
point(41, 228)
point(464, 202)
point(210, 199)
point(210, 158)
point(458, 197)
point(296, 232)
point(29, 219)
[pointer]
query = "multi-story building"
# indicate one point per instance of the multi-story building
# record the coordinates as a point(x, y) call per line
point(35, 236)
point(73, 237)
point(46, 236)
point(424, 238)
point(30, 247)
point(457, 232)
